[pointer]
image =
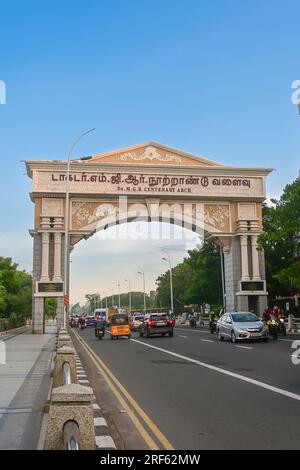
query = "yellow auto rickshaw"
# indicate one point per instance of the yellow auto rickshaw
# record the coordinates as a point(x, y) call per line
point(119, 326)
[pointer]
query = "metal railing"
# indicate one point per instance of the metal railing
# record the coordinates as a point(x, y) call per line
point(71, 435)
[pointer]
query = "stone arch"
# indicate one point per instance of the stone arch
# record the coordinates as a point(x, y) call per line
point(153, 182)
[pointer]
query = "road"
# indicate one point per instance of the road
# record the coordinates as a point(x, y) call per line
point(206, 394)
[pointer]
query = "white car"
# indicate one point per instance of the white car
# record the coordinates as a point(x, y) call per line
point(136, 321)
point(237, 326)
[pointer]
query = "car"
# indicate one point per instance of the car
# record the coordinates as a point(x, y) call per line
point(237, 326)
point(136, 321)
point(155, 324)
point(90, 321)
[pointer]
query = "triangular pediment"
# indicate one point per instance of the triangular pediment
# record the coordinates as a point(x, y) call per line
point(152, 153)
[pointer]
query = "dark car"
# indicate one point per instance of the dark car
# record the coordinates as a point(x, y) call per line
point(156, 324)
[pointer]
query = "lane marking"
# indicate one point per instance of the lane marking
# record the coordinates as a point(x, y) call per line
point(280, 339)
point(181, 336)
point(243, 347)
point(116, 387)
point(192, 329)
point(207, 340)
point(280, 391)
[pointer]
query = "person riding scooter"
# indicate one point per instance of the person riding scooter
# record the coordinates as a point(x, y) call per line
point(213, 323)
point(192, 319)
point(82, 322)
point(271, 322)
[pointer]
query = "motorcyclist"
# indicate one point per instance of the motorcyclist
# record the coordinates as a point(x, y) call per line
point(192, 320)
point(82, 322)
point(268, 317)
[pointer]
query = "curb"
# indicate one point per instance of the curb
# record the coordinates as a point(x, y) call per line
point(104, 441)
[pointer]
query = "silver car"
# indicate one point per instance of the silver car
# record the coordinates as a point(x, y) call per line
point(238, 326)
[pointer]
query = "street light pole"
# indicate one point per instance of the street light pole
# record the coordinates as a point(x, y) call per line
point(112, 297)
point(119, 296)
point(66, 244)
point(129, 294)
point(143, 274)
point(223, 281)
point(171, 280)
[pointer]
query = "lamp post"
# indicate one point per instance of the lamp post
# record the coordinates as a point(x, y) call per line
point(66, 244)
point(112, 297)
point(171, 279)
point(129, 293)
point(222, 277)
point(119, 296)
point(142, 272)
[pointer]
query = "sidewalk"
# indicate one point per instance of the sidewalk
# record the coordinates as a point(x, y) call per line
point(24, 385)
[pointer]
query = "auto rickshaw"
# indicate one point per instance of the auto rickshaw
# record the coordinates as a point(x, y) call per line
point(100, 328)
point(119, 326)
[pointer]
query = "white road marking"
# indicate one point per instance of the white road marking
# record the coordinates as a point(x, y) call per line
point(181, 336)
point(244, 347)
point(280, 391)
point(191, 329)
point(286, 339)
point(207, 340)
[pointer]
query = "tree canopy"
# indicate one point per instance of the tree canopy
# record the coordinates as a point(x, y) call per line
point(281, 224)
point(196, 280)
point(15, 289)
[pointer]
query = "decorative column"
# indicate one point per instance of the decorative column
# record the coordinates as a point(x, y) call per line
point(45, 257)
point(255, 259)
point(57, 257)
point(244, 257)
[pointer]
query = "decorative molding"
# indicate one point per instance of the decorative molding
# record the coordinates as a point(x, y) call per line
point(150, 153)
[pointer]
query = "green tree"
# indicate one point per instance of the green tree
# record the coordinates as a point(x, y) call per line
point(50, 307)
point(196, 280)
point(15, 290)
point(281, 223)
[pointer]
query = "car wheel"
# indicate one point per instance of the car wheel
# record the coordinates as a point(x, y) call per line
point(148, 333)
point(233, 337)
point(111, 337)
point(129, 336)
point(99, 337)
point(171, 334)
point(220, 337)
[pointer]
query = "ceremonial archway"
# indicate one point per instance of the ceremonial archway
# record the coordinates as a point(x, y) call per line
point(152, 182)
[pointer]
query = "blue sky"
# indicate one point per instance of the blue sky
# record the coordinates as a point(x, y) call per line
point(210, 77)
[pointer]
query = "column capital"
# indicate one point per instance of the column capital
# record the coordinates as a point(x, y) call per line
point(244, 239)
point(45, 237)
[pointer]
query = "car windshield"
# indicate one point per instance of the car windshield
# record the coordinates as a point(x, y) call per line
point(139, 317)
point(244, 317)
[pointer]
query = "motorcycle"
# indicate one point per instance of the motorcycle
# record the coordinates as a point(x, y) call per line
point(281, 326)
point(82, 324)
point(193, 322)
point(273, 328)
point(213, 326)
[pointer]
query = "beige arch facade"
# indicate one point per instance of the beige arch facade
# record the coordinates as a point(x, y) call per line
point(149, 182)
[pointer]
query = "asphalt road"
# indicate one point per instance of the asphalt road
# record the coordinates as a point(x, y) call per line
point(206, 394)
